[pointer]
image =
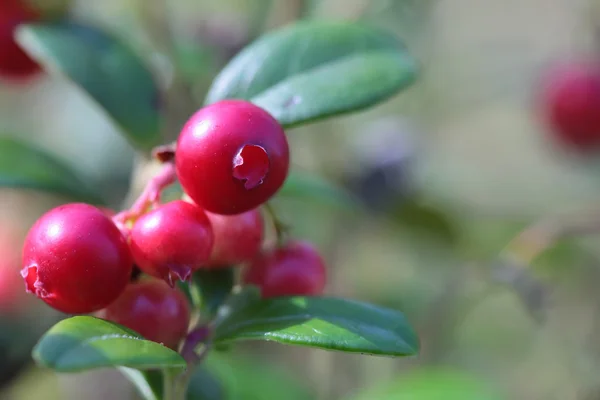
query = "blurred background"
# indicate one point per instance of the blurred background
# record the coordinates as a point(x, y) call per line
point(449, 172)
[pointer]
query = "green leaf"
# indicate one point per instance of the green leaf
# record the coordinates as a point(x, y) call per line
point(315, 69)
point(323, 322)
point(149, 384)
point(214, 286)
point(83, 342)
point(431, 384)
point(111, 74)
point(25, 166)
point(314, 188)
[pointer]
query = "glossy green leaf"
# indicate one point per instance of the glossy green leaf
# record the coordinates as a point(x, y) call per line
point(315, 69)
point(25, 166)
point(314, 188)
point(431, 384)
point(106, 69)
point(214, 286)
point(83, 342)
point(322, 322)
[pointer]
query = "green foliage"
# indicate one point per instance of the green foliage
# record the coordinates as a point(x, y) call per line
point(431, 384)
point(81, 343)
point(214, 287)
point(25, 166)
point(309, 187)
point(244, 378)
point(316, 69)
point(107, 70)
point(321, 322)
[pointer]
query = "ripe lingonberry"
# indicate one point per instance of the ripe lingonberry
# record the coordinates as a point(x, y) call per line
point(14, 62)
point(571, 104)
point(152, 309)
point(231, 157)
point(238, 238)
point(295, 269)
point(172, 241)
point(76, 259)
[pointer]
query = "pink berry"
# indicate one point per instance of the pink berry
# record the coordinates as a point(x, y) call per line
point(231, 157)
point(296, 269)
point(152, 309)
point(75, 259)
point(172, 241)
point(571, 104)
point(238, 238)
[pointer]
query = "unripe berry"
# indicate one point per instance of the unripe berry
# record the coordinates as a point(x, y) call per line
point(76, 259)
point(172, 241)
point(14, 62)
point(296, 269)
point(571, 104)
point(238, 238)
point(152, 309)
point(231, 157)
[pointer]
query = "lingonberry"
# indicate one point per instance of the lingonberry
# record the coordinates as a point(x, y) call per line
point(14, 62)
point(152, 309)
point(571, 104)
point(172, 241)
point(231, 157)
point(238, 238)
point(76, 259)
point(295, 269)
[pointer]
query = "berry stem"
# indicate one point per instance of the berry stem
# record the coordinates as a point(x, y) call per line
point(281, 228)
point(150, 196)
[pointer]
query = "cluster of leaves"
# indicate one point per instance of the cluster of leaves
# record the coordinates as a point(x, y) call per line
point(304, 72)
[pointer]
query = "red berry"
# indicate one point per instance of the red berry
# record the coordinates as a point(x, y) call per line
point(75, 259)
point(238, 238)
point(296, 269)
point(172, 241)
point(571, 104)
point(152, 309)
point(231, 157)
point(14, 62)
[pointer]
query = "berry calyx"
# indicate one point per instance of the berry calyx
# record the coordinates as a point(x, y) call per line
point(172, 241)
point(75, 259)
point(571, 104)
point(152, 309)
point(15, 64)
point(231, 157)
point(295, 269)
point(238, 238)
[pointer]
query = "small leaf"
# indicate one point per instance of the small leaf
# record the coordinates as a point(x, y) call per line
point(83, 342)
point(214, 286)
point(105, 68)
point(322, 322)
point(25, 166)
point(316, 69)
point(149, 384)
point(313, 188)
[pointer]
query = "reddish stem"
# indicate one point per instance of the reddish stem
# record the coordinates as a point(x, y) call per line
point(150, 196)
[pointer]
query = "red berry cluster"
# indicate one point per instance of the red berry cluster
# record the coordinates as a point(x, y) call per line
point(231, 157)
point(14, 62)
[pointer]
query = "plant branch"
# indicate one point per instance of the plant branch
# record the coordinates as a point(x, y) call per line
point(150, 196)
